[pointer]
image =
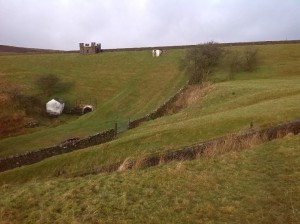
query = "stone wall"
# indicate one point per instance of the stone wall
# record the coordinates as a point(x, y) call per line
point(64, 147)
point(230, 142)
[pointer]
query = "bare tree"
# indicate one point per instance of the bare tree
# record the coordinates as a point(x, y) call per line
point(200, 60)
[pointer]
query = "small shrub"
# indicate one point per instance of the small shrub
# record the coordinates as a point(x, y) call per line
point(235, 63)
point(250, 62)
point(29, 104)
point(200, 60)
point(239, 62)
point(47, 84)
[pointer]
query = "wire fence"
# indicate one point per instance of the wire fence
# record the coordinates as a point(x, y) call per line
point(121, 126)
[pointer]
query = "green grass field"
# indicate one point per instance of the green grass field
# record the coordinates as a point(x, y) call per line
point(124, 84)
point(258, 185)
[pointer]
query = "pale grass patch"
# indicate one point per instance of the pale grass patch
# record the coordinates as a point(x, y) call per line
point(178, 168)
point(228, 209)
point(136, 163)
point(126, 164)
point(74, 221)
point(204, 178)
point(71, 194)
point(207, 208)
point(231, 143)
point(181, 203)
point(290, 195)
point(161, 160)
point(5, 187)
point(123, 201)
point(148, 192)
point(139, 162)
point(289, 136)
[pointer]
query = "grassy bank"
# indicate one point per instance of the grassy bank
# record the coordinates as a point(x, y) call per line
point(258, 185)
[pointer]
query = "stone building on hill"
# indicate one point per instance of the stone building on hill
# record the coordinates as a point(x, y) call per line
point(89, 49)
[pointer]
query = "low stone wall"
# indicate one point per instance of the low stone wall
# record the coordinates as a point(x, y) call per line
point(230, 142)
point(64, 147)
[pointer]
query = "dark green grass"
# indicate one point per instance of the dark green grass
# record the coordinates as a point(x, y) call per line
point(258, 185)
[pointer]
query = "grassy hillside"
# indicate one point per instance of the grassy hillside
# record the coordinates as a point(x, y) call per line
point(124, 81)
point(256, 185)
point(259, 185)
point(124, 85)
point(228, 107)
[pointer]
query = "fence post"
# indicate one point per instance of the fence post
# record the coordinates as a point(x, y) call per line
point(116, 128)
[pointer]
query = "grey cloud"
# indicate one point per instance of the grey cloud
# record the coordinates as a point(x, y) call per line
point(62, 24)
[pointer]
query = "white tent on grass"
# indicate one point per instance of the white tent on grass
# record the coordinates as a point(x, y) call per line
point(157, 52)
point(55, 107)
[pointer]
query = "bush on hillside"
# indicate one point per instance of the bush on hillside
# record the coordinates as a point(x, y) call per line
point(250, 55)
point(239, 62)
point(48, 84)
point(29, 104)
point(200, 60)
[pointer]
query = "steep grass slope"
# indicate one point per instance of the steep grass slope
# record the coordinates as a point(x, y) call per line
point(124, 85)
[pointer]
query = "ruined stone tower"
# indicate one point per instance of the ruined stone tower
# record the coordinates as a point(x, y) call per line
point(89, 49)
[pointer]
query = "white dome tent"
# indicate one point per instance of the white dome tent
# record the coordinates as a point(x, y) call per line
point(55, 107)
point(157, 52)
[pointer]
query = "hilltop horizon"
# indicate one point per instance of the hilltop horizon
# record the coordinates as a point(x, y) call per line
point(24, 49)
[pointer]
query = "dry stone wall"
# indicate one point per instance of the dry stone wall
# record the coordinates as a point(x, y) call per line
point(232, 142)
point(64, 147)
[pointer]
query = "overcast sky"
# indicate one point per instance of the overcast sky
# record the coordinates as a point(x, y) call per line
point(62, 24)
